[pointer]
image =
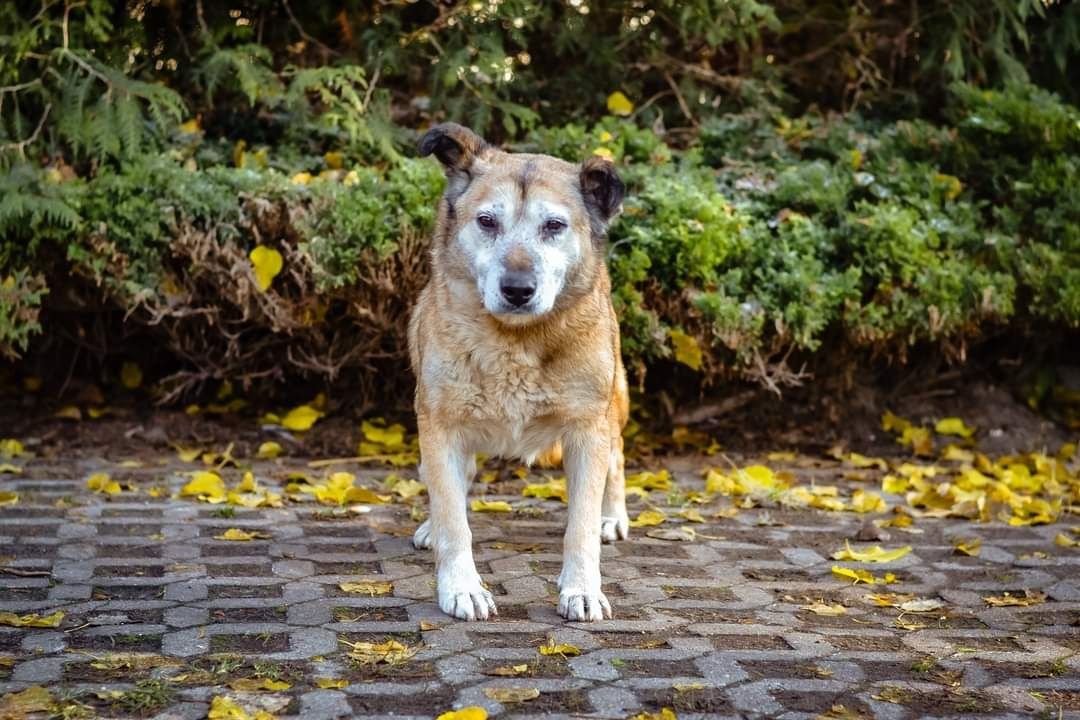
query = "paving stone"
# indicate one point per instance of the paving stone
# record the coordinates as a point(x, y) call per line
point(724, 620)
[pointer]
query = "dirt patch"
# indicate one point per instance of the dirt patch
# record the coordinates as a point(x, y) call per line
point(239, 592)
point(707, 701)
point(120, 642)
point(657, 668)
point(750, 642)
point(253, 644)
point(242, 615)
point(426, 703)
point(677, 592)
point(369, 614)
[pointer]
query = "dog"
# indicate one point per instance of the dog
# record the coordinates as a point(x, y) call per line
point(515, 347)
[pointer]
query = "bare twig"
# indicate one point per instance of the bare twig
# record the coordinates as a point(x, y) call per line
point(710, 411)
point(20, 146)
point(681, 100)
point(303, 33)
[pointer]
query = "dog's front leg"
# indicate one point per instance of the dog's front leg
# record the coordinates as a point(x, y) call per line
point(586, 453)
point(444, 469)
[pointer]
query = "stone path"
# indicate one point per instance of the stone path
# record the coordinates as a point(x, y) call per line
point(160, 611)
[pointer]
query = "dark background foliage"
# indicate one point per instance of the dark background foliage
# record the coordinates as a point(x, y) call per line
point(816, 185)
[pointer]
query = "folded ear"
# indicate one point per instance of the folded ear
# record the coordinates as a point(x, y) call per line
point(454, 145)
point(601, 188)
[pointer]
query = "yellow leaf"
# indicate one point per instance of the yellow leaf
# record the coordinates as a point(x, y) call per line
point(862, 576)
point(604, 153)
point(268, 451)
point(390, 652)
point(331, 683)
point(223, 708)
point(17, 705)
point(267, 263)
point(254, 684)
point(563, 649)
point(687, 350)
point(68, 412)
point(32, 620)
point(684, 533)
point(370, 588)
point(821, 608)
point(333, 159)
point(301, 178)
point(300, 418)
point(473, 712)
point(861, 461)
point(11, 449)
point(664, 714)
point(650, 480)
point(103, 484)
point(958, 454)
point(895, 485)
point(490, 506)
point(953, 426)
point(619, 104)
point(894, 423)
point(1030, 597)
point(553, 488)
point(691, 514)
point(873, 554)
point(648, 518)
point(511, 695)
point(919, 439)
point(391, 437)
point(190, 127)
point(207, 486)
point(131, 375)
point(188, 454)
point(509, 670)
point(9, 469)
point(406, 488)
point(241, 535)
point(8, 497)
point(968, 547)
point(1060, 539)
point(867, 502)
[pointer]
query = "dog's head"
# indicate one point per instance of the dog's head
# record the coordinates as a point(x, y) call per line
point(525, 231)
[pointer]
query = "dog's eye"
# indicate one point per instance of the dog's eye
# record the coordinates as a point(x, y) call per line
point(554, 225)
point(488, 222)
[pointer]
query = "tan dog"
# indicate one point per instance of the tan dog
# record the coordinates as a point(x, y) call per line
point(515, 347)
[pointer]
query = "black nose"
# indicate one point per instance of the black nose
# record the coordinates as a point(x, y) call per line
point(518, 287)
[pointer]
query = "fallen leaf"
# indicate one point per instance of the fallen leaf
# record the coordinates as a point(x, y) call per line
point(509, 670)
point(268, 451)
point(875, 554)
point(1061, 539)
point(9, 469)
point(370, 588)
point(426, 626)
point(664, 714)
point(407, 488)
point(131, 375)
point(821, 608)
point(101, 483)
point(619, 104)
point(331, 683)
point(862, 576)
point(8, 497)
point(861, 461)
point(473, 712)
point(1030, 597)
point(490, 506)
point(224, 708)
point(68, 412)
point(553, 488)
point(511, 695)
point(255, 684)
point(953, 426)
point(648, 518)
point(32, 620)
point(683, 533)
point(300, 418)
point(894, 423)
point(17, 705)
point(562, 649)
point(863, 501)
point(691, 514)
point(207, 486)
point(647, 480)
point(687, 350)
point(10, 449)
point(918, 606)
point(390, 652)
point(967, 547)
point(242, 535)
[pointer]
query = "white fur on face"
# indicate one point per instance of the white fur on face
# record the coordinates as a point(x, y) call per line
point(521, 229)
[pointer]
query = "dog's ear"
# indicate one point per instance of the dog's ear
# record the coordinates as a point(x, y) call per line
point(602, 189)
point(455, 146)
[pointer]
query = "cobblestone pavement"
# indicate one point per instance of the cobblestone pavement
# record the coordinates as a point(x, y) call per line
point(716, 627)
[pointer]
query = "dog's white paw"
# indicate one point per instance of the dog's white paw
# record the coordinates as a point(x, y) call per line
point(421, 539)
point(466, 600)
point(580, 606)
point(614, 528)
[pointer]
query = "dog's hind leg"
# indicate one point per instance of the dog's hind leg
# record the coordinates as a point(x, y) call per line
point(614, 522)
point(422, 537)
